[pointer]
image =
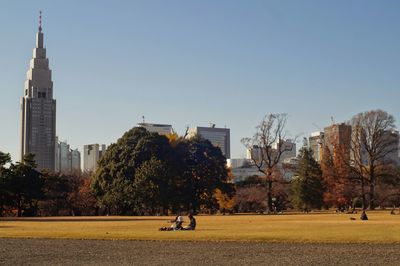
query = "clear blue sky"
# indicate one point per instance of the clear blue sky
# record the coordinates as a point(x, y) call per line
point(195, 62)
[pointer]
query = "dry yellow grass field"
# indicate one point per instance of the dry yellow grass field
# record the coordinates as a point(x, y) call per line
point(324, 228)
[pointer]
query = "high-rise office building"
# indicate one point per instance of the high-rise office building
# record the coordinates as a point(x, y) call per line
point(66, 159)
point(161, 129)
point(255, 153)
point(337, 135)
point(219, 137)
point(38, 109)
point(75, 160)
point(287, 148)
point(316, 142)
point(388, 149)
point(91, 155)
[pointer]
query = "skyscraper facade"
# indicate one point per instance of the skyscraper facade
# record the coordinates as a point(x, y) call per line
point(38, 109)
point(337, 138)
point(91, 155)
point(161, 129)
point(219, 137)
point(316, 142)
point(66, 159)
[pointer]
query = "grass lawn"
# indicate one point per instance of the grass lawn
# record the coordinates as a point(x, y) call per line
point(325, 228)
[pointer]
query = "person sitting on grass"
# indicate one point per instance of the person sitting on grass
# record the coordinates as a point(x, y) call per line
point(364, 216)
point(176, 224)
point(192, 224)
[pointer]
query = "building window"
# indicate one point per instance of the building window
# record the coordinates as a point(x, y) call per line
point(41, 95)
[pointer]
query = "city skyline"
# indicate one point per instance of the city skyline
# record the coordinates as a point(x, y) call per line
point(189, 64)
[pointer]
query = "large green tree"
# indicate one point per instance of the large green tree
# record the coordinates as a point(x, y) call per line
point(5, 192)
point(114, 181)
point(307, 186)
point(26, 186)
point(147, 173)
point(203, 171)
point(152, 187)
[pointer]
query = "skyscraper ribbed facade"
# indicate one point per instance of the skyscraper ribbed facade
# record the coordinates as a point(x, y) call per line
point(38, 109)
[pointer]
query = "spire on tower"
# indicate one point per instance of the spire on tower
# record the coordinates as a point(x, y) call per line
point(40, 20)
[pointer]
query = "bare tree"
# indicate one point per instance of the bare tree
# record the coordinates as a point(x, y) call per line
point(373, 145)
point(269, 133)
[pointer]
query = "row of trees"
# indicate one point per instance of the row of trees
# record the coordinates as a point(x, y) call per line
point(363, 172)
point(24, 191)
point(145, 173)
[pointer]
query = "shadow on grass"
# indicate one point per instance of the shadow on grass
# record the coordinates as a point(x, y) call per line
point(78, 219)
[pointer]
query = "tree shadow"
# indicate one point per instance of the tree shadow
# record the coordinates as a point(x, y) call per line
point(23, 219)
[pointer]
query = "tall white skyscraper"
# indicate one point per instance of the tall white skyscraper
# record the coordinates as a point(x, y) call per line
point(66, 159)
point(38, 109)
point(91, 155)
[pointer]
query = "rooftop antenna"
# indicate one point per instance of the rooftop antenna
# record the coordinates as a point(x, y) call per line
point(40, 20)
point(333, 120)
point(143, 119)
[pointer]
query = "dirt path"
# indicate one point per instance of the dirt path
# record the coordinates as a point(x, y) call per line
point(119, 252)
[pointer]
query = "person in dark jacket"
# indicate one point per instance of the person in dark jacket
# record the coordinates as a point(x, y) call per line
point(192, 223)
point(364, 216)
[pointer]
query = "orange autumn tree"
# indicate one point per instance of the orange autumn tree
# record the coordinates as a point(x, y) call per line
point(225, 201)
point(337, 178)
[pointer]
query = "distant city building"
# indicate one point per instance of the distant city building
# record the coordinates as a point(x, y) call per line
point(75, 160)
point(390, 141)
point(219, 137)
point(242, 169)
point(57, 156)
point(257, 153)
point(338, 136)
point(236, 163)
point(289, 167)
point(38, 109)
point(316, 142)
point(289, 148)
point(161, 129)
point(66, 159)
point(91, 155)
point(287, 161)
point(392, 137)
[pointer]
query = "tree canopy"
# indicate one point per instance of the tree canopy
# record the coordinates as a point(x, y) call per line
point(147, 173)
point(307, 186)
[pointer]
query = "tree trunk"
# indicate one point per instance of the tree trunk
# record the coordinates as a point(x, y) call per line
point(364, 201)
point(19, 208)
point(372, 188)
point(1, 208)
point(269, 196)
point(372, 196)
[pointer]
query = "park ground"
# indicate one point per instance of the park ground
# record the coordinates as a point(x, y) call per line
point(294, 239)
